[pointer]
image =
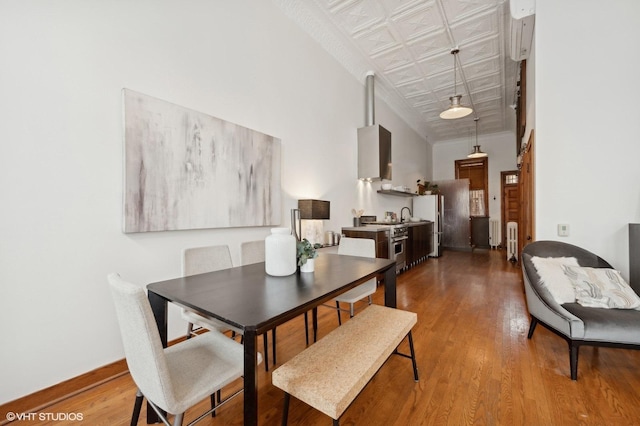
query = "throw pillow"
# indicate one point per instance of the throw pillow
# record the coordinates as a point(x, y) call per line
point(601, 288)
point(553, 277)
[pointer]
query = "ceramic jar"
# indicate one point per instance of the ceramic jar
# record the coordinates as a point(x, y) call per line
point(280, 252)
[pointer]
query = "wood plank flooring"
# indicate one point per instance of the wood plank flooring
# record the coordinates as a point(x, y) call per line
point(476, 364)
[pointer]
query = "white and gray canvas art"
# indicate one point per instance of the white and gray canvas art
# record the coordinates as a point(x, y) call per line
point(187, 170)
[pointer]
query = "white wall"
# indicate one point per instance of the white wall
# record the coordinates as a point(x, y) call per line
point(586, 136)
point(501, 150)
point(64, 64)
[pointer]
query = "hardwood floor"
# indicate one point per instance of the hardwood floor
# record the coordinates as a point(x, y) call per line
point(476, 364)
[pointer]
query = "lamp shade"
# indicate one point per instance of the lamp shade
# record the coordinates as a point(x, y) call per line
point(313, 209)
point(477, 153)
point(456, 109)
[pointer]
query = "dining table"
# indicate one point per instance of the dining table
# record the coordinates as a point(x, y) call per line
point(248, 298)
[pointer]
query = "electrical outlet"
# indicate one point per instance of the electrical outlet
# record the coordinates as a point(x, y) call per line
point(563, 230)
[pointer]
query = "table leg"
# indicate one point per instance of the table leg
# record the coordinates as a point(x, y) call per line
point(250, 378)
point(390, 287)
point(314, 320)
point(159, 308)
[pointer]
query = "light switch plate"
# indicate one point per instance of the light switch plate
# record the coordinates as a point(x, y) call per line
point(563, 230)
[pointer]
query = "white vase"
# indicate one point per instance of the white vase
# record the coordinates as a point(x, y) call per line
point(280, 252)
point(309, 266)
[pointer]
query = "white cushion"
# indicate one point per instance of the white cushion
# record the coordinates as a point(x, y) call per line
point(553, 277)
point(601, 288)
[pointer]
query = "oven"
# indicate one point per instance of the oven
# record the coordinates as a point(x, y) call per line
point(397, 237)
point(398, 246)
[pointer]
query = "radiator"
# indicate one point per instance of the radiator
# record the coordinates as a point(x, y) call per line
point(512, 241)
point(495, 239)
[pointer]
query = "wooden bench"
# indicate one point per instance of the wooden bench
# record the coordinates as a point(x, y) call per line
point(330, 374)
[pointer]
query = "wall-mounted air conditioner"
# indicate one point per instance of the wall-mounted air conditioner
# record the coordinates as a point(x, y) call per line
point(521, 28)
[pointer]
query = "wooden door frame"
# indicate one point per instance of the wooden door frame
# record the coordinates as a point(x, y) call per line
point(480, 161)
point(503, 223)
point(527, 226)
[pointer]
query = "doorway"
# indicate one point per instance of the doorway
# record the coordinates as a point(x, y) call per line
point(476, 170)
point(510, 191)
point(526, 179)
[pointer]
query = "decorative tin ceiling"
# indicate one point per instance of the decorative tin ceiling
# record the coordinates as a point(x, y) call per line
point(407, 43)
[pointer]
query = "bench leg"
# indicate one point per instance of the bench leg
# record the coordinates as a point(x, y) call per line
point(336, 422)
point(213, 404)
point(285, 409)
point(338, 310)
point(413, 357)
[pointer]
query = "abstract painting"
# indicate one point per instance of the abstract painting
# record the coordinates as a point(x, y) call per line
point(188, 170)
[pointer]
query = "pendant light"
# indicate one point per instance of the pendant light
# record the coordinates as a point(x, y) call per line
point(456, 109)
point(477, 153)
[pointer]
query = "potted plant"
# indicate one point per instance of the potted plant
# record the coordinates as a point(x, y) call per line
point(306, 253)
point(426, 188)
point(422, 187)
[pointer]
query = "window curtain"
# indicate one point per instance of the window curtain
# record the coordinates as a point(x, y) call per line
point(476, 200)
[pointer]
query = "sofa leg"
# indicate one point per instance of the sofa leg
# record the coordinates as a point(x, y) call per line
point(532, 327)
point(573, 359)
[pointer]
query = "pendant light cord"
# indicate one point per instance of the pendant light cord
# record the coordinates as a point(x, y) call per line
point(454, 52)
point(455, 65)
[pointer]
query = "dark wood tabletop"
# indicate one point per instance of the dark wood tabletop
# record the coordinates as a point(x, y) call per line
point(247, 298)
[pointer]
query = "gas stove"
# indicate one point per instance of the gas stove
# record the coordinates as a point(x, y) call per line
point(396, 235)
point(398, 230)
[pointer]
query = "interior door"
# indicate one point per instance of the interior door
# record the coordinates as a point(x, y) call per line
point(526, 230)
point(510, 201)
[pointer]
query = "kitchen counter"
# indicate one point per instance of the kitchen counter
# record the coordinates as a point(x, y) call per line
point(422, 222)
point(380, 228)
point(368, 228)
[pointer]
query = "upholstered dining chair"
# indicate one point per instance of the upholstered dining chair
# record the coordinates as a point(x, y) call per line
point(178, 377)
point(199, 260)
point(253, 252)
point(363, 247)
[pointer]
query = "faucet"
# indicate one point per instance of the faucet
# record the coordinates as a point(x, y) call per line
point(402, 211)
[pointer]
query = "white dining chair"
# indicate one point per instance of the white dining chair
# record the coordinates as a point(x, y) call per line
point(178, 377)
point(363, 247)
point(253, 252)
point(199, 260)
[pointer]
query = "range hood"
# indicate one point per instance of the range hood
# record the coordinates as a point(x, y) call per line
point(374, 142)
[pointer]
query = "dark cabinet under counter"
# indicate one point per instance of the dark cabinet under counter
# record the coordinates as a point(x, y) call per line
point(480, 232)
point(419, 243)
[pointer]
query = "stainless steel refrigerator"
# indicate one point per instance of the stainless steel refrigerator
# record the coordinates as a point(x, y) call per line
point(431, 207)
point(456, 226)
